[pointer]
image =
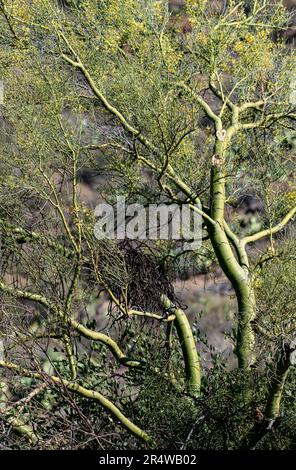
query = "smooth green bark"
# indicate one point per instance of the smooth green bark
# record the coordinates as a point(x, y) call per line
point(236, 268)
point(90, 394)
point(241, 281)
point(190, 353)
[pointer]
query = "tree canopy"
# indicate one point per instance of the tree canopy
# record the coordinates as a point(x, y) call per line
point(201, 117)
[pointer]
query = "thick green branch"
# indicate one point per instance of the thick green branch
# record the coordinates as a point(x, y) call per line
point(265, 120)
point(77, 63)
point(84, 331)
point(205, 106)
point(84, 392)
point(153, 316)
point(239, 276)
point(239, 248)
point(20, 427)
point(270, 231)
point(190, 353)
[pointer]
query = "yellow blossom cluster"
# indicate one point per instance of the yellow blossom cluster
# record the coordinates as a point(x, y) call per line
point(202, 38)
point(255, 49)
point(291, 197)
point(171, 56)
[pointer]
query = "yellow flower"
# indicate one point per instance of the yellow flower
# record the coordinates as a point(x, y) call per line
point(239, 47)
point(202, 38)
point(249, 38)
point(291, 196)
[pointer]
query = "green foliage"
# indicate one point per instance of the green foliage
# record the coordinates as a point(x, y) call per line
point(277, 291)
point(64, 66)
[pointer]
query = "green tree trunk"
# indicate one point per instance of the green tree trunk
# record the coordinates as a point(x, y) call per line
point(245, 344)
point(190, 353)
point(236, 268)
point(242, 285)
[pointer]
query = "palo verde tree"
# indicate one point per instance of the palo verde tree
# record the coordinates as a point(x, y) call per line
point(198, 118)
